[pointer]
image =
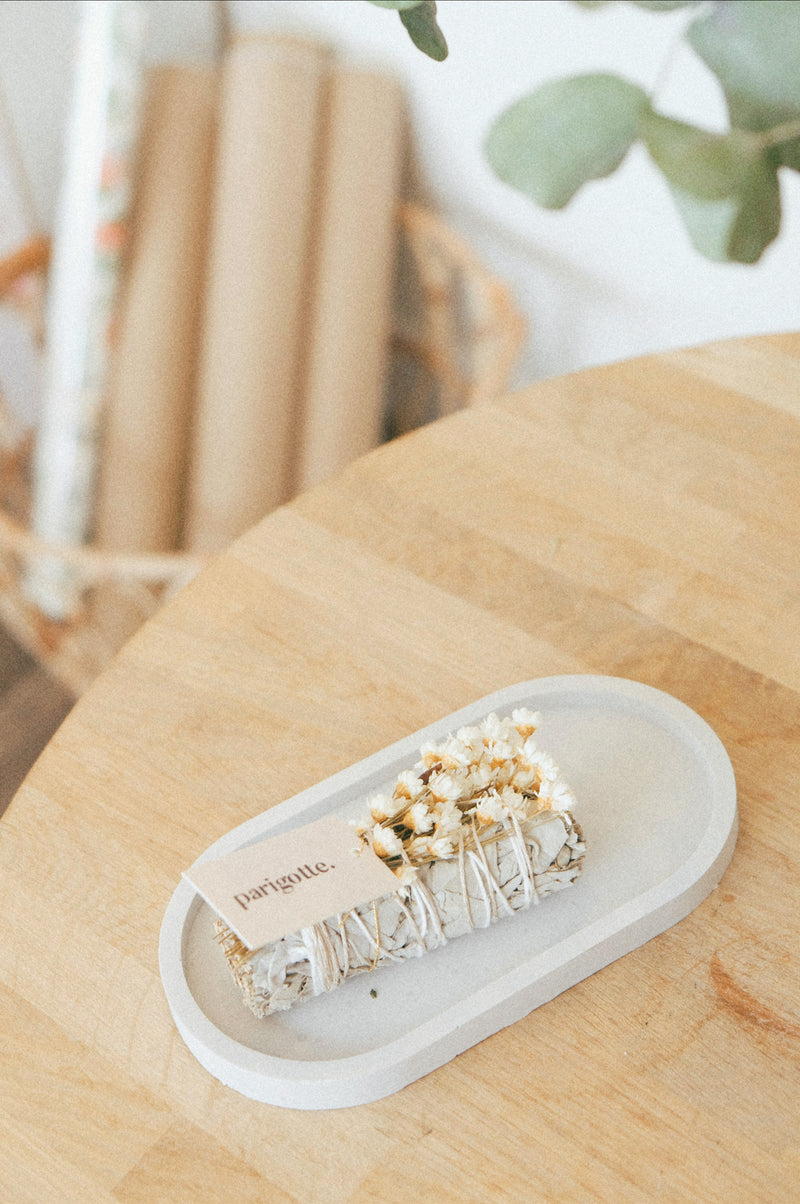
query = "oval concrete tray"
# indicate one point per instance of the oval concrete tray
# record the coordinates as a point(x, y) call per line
point(657, 801)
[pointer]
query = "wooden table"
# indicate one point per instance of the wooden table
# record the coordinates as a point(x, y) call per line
point(640, 520)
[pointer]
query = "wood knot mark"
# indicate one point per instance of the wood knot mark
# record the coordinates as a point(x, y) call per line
point(745, 1006)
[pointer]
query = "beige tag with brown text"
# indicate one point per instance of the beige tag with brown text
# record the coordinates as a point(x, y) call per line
point(284, 883)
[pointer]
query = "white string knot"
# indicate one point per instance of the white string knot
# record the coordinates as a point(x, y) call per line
point(332, 954)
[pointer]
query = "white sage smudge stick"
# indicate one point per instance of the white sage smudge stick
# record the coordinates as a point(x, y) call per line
point(482, 827)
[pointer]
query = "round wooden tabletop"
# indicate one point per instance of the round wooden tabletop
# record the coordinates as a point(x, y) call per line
point(640, 520)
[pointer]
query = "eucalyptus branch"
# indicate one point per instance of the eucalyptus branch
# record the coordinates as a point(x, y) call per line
point(787, 131)
point(566, 133)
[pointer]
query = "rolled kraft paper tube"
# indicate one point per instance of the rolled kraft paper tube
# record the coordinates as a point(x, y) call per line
point(149, 405)
point(256, 285)
point(353, 273)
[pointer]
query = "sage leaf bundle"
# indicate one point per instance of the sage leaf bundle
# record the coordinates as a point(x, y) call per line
point(480, 828)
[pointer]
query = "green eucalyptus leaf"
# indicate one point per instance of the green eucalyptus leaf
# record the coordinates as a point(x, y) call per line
point(707, 165)
point(753, 47)
point(423, 29)
point(724, 185)
point(565, 133)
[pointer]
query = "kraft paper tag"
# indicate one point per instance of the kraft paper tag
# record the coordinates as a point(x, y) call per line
point(288, 882)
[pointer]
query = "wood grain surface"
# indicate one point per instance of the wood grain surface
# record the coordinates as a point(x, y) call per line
point(641, 520)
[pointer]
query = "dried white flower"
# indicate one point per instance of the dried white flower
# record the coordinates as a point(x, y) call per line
point(525, 721)
point(514, 800)
point(524, 777)
point(501, 752)
point(418, 818)
point(472, 740)
point(454, 754)
point(449, 818)
point(444, 787)
point(380, 807)
point(482, 775)
point(408, 785)
point(492, 728)
point(440, 848)
point(546, 767)
point(429, 755)
point(386, 842)
point(406, 874)
point(479, 778)
point(490, 809)
point(558, 796)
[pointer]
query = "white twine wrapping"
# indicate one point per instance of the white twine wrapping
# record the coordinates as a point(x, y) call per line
point(504, 872)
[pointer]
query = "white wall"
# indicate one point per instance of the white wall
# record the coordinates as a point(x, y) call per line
point(611, 276)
